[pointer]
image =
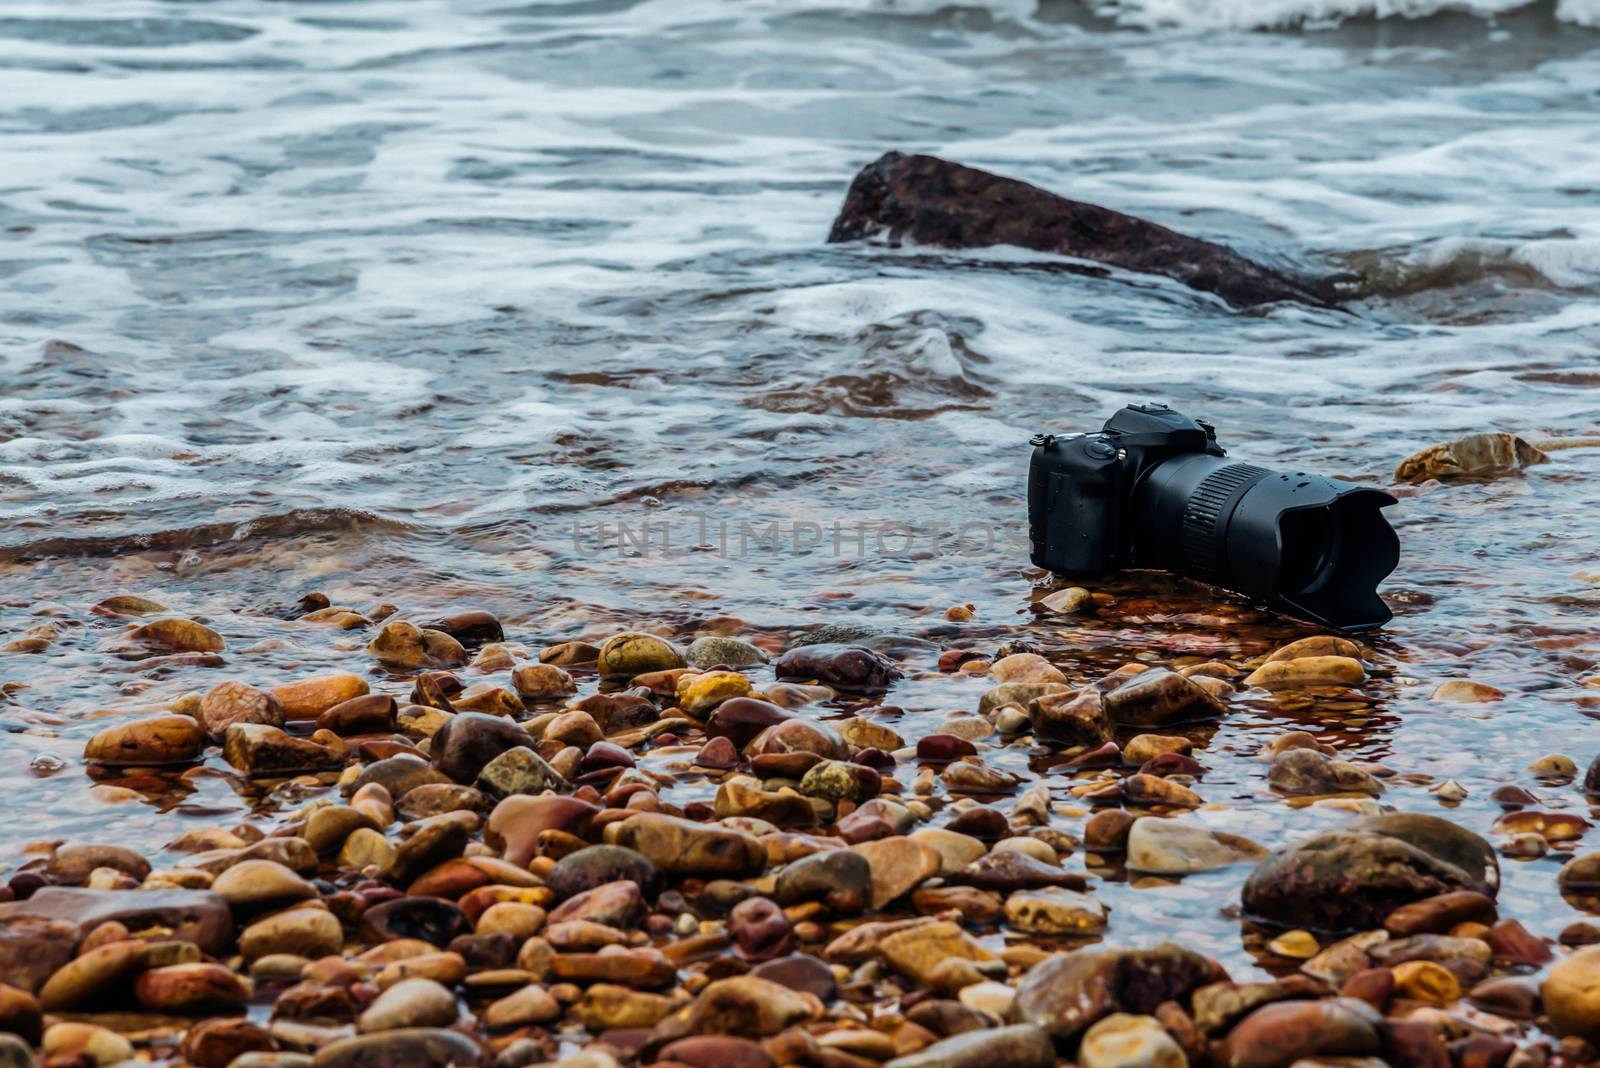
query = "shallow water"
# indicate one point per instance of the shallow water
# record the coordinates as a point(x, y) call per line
point(527, 307)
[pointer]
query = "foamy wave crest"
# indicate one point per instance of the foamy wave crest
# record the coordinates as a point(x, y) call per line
point(1275, 14)
point(1562, 263)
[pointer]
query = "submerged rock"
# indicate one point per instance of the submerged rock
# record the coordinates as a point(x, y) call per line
point(843, 667)
point(634, 653)
point(938, 203)
point(405, 645)
point(1308, 772)
point(1354, 877)
point(1159, 697)
point(1174, 847)
point(712, 651)
point(1068, 992)
point(1472, 455)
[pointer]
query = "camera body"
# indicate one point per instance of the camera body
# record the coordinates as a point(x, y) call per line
point(1080, 487)
point(1153, 490)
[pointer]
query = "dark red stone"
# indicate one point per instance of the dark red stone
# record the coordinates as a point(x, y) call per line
point(1172, 764)
point(606, 755)
point(943, 748)
point(719, 754)
point(740, 719)
point(934, 202)
point(982, 823)
point(1515, 944)
point(760, 929)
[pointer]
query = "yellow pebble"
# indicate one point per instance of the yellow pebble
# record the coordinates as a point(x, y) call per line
point(1424, 980)
point(1297, 944)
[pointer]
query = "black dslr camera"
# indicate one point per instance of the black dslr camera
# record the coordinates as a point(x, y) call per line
point(1154, 490)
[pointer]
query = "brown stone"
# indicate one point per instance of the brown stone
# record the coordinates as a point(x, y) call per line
point(1438, 914)
point(848, 668)
point(155, 740)
point(259, 750)
point(228, 703)
point(310, 698)
point(215, 1043)
point(682, 847)
point(933, 202)
point(1067, 992)
point(519, 820)
point(1277, 1035)
point(38, 935)
point(73, 863)
point(1354, 877)
point(179, 635)
point(93, 975)
point(368, 714)
point(191, 988)
point(898, 865)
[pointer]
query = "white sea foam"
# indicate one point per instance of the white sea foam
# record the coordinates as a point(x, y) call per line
point(1272, 14)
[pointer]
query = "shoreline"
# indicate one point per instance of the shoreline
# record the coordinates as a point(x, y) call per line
point(659, 827)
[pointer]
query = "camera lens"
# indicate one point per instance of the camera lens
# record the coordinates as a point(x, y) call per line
point(1305, 545)
point(1308, 549)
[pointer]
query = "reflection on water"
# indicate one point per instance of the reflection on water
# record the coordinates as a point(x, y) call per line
point(417, 302)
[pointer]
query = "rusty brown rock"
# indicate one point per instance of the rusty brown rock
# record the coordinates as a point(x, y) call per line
point(228, 703)
point(1008, 870)
point(72, 863)
point(20, 1014)
point(741, 719)
point(1072, 718)
point(519, 820)
point(841, 878)
point(405, 645)
point(1439, 914)
point(741, 1005)
point(191, 988)
point(154, 740)
point(259, 750)
point(309, 698)
point(799, 736)
point(368, 714)
point(1277, 1035)
point(471, 627)
point(618, 904)
point(717, 1051)
point(216, 1043)
point(1303, 772)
